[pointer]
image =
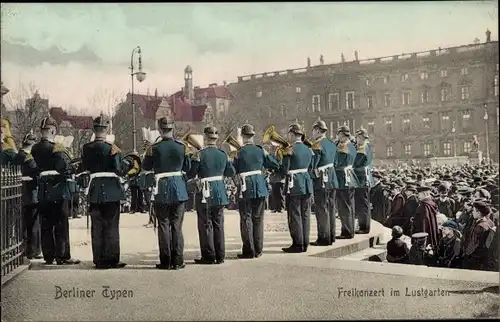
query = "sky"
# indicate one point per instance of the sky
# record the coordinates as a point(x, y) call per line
point(78, 55)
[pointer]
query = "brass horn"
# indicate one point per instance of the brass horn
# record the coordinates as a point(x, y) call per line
point(191, 142)
point(270, 135)
point(234, 145)
point(135, 163)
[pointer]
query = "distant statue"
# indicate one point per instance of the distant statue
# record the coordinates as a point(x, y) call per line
point(321, 61)
point(475, 144)
point(308, 62)
point(356, 55)
point(476, 41)
point(488, 35)
point(342, 58)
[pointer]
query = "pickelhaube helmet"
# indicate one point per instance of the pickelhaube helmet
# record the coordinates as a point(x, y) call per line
point(362, 132)
point(344, 129)
point(211, 132)
point(296, 128)
point(165, 123)
point(247, 129)
point(320, 125)
point(48, 122)
point(101, 121)
point(29, 138)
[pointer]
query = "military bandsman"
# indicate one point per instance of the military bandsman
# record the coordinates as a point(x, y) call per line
point(325, 181)
point(211, 165)
point(169, 160)
point(104, 163)
point(54, 194)
point(249, 163)
point(346, 152)
point(31, 220)
point(297, 164)
point(363, 163)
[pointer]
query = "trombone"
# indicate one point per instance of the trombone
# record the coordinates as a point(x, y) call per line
point(273, 137)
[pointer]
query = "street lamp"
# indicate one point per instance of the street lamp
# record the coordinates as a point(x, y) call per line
point(140, 76)
point(453, 130)
point(487, 139)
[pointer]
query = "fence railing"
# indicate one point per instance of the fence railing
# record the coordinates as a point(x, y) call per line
point(12, 255)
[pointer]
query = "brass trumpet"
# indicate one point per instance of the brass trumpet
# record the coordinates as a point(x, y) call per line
point(271, 136)
point(234, 145)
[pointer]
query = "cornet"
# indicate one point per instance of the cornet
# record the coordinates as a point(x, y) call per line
point(234, 145)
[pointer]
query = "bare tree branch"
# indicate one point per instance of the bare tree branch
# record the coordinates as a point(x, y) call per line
point(28, 109)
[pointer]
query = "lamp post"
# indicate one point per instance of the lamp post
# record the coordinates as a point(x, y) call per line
point(487, 139)
point(140, 76)
point(453, 130)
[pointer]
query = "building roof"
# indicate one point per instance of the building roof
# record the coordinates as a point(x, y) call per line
point(148, 105)
point(183, 111)
point(79, 122)
point(215, 91)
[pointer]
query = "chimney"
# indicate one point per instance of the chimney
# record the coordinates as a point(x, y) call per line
point(225, 83)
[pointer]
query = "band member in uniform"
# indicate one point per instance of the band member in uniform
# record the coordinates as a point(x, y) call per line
point(325, 181)
point(31, 220)
point(297, 164)
point(103, 161)
point(8, 148)
point(346, 152)
point(211, 165)
point(54, 194)
point(363, 171)
point(169, 159)
point(249, 163)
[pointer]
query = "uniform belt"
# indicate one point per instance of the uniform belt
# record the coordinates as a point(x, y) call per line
point(159, 176)
point(26, 179)
point(100, 175)
point(323, 169)
point(243, 176)
point(205, 192)
point(291, 174)
point(347, 173)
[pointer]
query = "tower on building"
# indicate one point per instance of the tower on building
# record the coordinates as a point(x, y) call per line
point(188, 83)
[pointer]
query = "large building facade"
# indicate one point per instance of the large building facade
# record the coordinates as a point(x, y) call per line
point(414, 105)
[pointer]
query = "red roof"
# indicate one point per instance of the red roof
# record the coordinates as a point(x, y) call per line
point(79, 122)
point(183, 111)
point(212, 92)
point(148, 105)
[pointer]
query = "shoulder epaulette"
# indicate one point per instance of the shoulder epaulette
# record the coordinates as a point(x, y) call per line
point(28, 157)
point(58, 147)
point(115, 149)
point(362, 148)
point(343, 147)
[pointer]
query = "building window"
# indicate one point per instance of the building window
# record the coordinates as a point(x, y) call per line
point(408, 149)
point(427, 122)
point(333, 101)
point(424, 75)
point(346, 123)
point(404, 77)
point(389, 151)
point(386, 79)
point(496, 85)
point(387, 100)
point(445, 94)
point(349, 100)
point(298, 90)
point(406, 98)
point(465, 93)
point(445, 122)
point(424, 96)
point(464, 71)
point(371, 127)
point(447, 148)
point(369, 100)
point(443, 73)
point(369, 82)
point(465, 119)
point(406, 124)
point(388, 125)
point(467, 147)
point(316, 103)
point(427, 149)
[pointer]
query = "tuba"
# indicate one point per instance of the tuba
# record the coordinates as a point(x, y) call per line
point(233, 143)
point(273, 137)
point(192, 143)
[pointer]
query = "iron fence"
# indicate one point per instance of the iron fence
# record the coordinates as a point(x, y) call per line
point(12, 255)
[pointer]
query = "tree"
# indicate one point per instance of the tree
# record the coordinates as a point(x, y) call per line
point(28, 109)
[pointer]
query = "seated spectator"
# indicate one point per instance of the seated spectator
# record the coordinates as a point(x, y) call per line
point(450, 249)
point(397, 250)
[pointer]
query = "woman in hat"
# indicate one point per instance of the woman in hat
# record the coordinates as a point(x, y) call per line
point(450, 249)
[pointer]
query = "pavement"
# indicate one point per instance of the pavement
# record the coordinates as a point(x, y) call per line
point(276, 286)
